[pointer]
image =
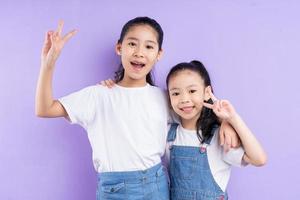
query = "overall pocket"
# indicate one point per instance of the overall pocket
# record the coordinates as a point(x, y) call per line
point(182, 167)
point(112, 190)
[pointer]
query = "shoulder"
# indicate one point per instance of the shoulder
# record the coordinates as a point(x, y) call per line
point(161, 93)
point(98, 90)
point(156, 89)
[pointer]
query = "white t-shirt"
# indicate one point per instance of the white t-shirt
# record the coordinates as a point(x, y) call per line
point(127, 127)
point(220, 162)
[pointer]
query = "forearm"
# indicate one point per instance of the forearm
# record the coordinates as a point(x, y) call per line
point(254, 153)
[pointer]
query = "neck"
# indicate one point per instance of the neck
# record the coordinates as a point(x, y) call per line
point(188, 124)
point(127, 82)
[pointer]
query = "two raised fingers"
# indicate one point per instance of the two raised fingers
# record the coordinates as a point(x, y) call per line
point(56, 35)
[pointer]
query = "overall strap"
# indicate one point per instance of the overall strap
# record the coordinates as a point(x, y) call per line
point(172, 132)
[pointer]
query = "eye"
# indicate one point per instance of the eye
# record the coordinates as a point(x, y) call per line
point(132, 44)
point(175, 93)
point(192, 91)
point(149, 47)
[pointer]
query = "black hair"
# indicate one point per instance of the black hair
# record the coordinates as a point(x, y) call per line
point(207, 120)
point(119, 74)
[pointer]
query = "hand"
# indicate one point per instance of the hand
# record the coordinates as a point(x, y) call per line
point(107, 83)
point(222, 108)
point(228, 137)
point(53, 44)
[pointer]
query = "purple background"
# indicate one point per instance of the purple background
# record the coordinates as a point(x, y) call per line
point(251, 49)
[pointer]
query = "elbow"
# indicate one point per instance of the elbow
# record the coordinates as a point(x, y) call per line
point(261, 161)
point(40, 113)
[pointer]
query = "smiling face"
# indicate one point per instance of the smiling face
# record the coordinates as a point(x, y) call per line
point(187, 93)
point(139, 52)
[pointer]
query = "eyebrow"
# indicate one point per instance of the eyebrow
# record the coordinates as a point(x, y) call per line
point(192, 85)
point(133, 38)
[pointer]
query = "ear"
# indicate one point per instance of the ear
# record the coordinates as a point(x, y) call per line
point(159, 55)
point(207, 92)
point(118, 49)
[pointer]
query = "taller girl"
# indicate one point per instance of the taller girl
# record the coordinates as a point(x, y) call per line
point(126, 125)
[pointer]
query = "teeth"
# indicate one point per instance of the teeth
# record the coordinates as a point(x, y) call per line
point(137, 63)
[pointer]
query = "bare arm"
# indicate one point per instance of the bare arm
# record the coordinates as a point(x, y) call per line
point(45, 105)
point(254, 153)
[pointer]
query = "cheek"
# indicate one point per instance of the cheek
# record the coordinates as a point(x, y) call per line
point(199, 99)
point(173, 102)
point(153, 56)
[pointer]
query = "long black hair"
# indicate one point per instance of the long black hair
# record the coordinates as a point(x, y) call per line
point(207, 120)
point(119, 74)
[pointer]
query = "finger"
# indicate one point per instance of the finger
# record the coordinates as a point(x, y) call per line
point(218, 106)
point(69, 35)
point(234, 142)
point(51, 36)
point(212, 96)
point(111, 82)
point(47, 43)
point(60, 27)
point(208, 105)
point(47, 40)
point(107, 83)
point(47, 36)
point(221, 137)
point(227, 143)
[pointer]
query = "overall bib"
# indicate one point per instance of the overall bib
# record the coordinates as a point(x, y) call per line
point(190, 174)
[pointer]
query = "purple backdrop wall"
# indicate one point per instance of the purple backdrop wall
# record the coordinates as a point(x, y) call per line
point(251, 49)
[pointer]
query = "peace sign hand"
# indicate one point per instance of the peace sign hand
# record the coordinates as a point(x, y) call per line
point(222, 108)
point(53, 44)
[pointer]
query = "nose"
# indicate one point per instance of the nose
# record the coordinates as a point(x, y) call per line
point(138, 52)
point(184, 98)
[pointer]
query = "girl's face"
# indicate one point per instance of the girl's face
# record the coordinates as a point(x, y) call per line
point(139, 52)
point(187, 93)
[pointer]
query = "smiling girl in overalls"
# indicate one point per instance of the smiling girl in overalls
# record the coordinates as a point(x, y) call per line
point(199, 167)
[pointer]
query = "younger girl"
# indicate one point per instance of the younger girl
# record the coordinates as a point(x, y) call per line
point(199, 167)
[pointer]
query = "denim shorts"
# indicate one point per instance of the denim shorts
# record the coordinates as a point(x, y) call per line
point(149, 184)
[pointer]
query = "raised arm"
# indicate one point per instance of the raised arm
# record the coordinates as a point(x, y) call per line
point(45, 105)
point(254, 153)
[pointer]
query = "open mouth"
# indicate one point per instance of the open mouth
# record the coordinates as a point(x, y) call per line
point(187, 109)
point(137, 65)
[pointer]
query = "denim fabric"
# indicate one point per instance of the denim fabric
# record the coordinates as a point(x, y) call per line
point(190, 175)
point(150, 184)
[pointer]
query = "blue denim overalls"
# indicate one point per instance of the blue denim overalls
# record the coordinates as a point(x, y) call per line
point(190, 175)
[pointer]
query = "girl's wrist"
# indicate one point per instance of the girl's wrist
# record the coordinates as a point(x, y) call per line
point(47, 65)
point(233, 119)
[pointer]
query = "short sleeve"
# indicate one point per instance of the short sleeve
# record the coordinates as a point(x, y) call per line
point(166, 156)
point(234, 157)
point(80, 106)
